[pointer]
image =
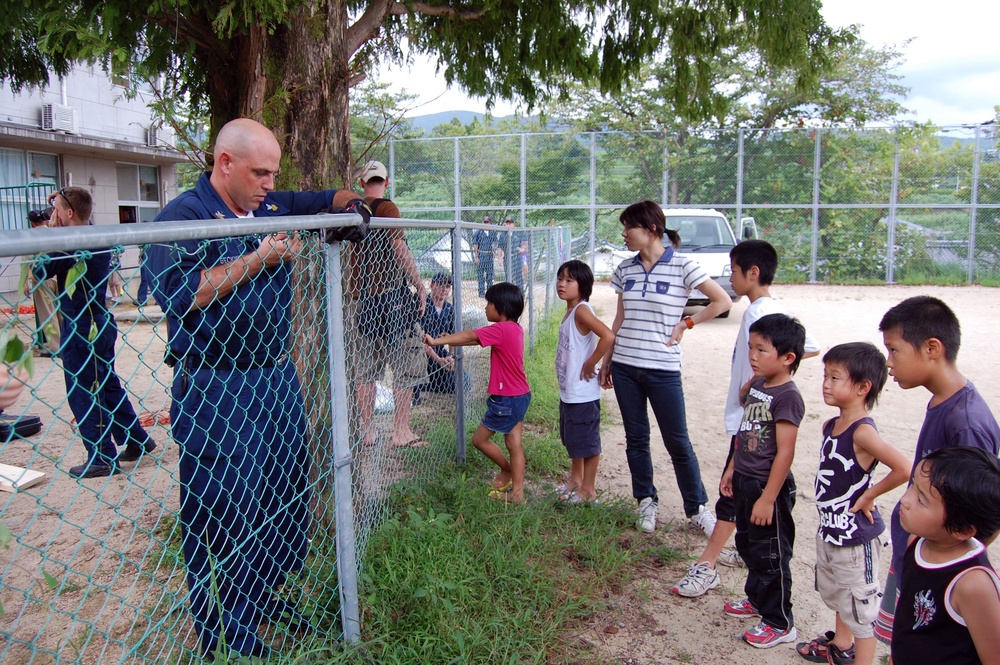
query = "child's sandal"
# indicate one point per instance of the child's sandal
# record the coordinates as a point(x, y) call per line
point(815, 651)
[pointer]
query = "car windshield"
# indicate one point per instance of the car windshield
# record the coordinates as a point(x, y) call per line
point(702, 232)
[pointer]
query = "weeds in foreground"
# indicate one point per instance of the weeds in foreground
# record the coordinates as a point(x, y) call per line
point(454, 577)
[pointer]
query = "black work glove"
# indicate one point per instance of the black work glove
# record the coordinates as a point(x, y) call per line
point(350, 233)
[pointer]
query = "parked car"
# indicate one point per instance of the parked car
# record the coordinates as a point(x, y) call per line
point(707, 236)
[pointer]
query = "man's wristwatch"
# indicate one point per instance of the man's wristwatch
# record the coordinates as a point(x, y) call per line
point(689, 322)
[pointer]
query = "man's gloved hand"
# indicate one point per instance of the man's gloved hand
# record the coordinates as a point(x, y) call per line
point(351, 233)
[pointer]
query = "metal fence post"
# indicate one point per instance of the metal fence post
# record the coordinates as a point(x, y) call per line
point(392, 168)
point(974, 201)
point(531, 293)
point(524, 182)
point(458, 351)
point(458, 184)
point(666, 170)
point(814, 247)
point(890, 241)
point(591, 249)
point(738, 222)
point(343, 490)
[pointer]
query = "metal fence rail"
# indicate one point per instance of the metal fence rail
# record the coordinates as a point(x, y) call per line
point(93, 570)
point(902, 204)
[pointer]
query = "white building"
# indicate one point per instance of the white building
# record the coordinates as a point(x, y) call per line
point(83, 131)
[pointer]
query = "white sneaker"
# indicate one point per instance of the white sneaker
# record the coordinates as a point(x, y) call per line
point(647, 515)
point(701, 578)
point(704, 520)
point(730, 557)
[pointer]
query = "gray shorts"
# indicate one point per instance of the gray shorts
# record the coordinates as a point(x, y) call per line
point(580, 428)
point(405, 357)
point(847, 581)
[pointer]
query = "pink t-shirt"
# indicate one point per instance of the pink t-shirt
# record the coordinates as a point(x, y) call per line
point(506, 358)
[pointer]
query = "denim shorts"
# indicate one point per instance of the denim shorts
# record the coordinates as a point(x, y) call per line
point(503, 413)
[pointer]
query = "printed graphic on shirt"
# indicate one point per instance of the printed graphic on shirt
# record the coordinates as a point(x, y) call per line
point(755, 430)
point(562, 356)
point(836, 519)
point(924, 609)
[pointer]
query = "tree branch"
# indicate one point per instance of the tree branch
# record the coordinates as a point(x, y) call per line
point(368, 25)
point(398, 9)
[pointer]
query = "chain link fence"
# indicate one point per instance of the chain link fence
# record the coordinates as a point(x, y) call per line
point(99, 569)
point(915, 204)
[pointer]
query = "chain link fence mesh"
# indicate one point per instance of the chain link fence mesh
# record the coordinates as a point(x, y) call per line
point(98, 570)
point(870, 205)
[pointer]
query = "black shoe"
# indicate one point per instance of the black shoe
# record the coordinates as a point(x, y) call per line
point(94, 470)
point(133, 451)
point(281, 613)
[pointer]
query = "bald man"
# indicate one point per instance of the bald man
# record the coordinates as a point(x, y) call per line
point(237, 412)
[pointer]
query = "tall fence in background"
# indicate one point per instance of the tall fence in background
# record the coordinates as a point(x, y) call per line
point(904, 204)
point(93, 570)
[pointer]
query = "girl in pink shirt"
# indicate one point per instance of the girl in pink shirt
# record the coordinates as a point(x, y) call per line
point(509, 393)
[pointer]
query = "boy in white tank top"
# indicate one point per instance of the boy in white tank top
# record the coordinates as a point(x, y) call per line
point(583, 341)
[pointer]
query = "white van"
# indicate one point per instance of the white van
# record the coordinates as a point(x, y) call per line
point(707, 237)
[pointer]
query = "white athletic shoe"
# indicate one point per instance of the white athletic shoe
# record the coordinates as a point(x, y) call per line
point(647, 515)
point(730, 557)
point(701, 578)
point(704, 520)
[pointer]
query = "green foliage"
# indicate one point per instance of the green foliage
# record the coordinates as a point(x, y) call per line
point(513, 50)
point(453, 577)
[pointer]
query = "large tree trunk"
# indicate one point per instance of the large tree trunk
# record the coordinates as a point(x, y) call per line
point(308, 111)
point(310, 108)
point(238, 89)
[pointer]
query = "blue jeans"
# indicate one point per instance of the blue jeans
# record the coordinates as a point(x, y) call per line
point(634, 387)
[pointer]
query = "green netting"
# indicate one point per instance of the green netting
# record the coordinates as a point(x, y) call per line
point(236, 503)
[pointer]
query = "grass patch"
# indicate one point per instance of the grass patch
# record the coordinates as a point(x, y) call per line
point(454, 577)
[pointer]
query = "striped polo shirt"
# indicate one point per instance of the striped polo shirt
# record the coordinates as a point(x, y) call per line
point(654, 303)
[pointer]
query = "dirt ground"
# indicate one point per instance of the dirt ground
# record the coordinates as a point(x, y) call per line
point(646, 623)
point(73, 526)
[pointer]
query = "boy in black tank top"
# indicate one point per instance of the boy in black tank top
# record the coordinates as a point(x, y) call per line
point(847, 545)
point(949, 595)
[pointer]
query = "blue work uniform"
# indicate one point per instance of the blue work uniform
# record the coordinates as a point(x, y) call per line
point(103, 412)
point(237, 416)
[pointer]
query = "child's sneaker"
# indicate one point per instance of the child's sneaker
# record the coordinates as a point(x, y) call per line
point(704, 520)
point(740, 608)
point(730, 557)
point(764, 636)
point(647, 515)
point(701, 578)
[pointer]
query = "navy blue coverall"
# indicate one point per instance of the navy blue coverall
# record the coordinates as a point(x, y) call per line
point(103, 412)
point(237, 416)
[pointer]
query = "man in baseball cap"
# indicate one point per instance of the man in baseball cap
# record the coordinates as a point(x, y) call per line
point(374, 169)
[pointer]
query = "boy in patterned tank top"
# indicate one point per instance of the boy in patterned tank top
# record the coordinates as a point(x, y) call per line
point(949, 594)
point(847, 543)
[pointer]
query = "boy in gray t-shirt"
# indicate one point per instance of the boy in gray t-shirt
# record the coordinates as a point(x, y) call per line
point(759, 479)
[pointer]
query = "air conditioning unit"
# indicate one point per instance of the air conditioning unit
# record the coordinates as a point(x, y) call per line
point(59, 118)
point(152, 138)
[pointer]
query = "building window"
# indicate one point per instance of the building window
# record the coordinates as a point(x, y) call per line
point(43, 168)
point(138, 193)
point(26, 180)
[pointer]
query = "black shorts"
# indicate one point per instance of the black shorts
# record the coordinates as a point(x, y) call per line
point(580, 428)
point(725, 507)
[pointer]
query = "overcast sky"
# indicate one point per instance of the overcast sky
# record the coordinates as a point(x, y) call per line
point(952, 66)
